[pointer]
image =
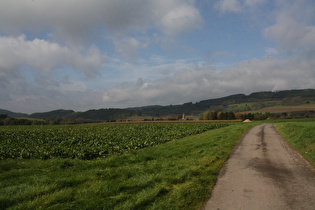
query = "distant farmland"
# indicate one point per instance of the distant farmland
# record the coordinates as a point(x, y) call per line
point(278, 109)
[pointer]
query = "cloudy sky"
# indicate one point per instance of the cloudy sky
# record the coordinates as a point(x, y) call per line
point(81, 55)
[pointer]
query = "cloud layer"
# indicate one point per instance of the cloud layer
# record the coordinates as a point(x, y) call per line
point(78, 21)
point(204, 83)
point(79, 54)
point(16, 52)
point(237, 6)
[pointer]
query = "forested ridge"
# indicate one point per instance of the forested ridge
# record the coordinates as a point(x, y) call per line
point(230, 103)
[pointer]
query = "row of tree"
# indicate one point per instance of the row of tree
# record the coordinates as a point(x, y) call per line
point(255, 116)
point(208, 115)
point(216, 115)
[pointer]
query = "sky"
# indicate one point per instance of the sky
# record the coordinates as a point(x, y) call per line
point(82, 55)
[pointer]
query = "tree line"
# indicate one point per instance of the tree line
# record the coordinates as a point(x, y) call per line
point(217, 115)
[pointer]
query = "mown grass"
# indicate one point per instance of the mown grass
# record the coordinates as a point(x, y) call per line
point(292, 108)
point(269, 106)
point(301, 136)
point(176, 175)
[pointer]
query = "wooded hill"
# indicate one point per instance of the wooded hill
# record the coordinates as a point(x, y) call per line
point(234, 103)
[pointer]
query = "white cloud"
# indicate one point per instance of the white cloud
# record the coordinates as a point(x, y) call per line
point(17, 52)
point(72, 20)
point(254, 3)
point(152, 68)
point(179, 18)
point(229, 6)
point(56, 64)
point(19, 94)
point(79, 21)
point(293, 29)
point(271, 51)
point(237, 6)
point(128, 47)
point(129, 25)
point(29, 74)
point(73, 86)
point(203, 83)
point(291, 35)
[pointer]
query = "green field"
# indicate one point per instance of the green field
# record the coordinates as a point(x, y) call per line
point(278, 109)
point(270, 106)
point(178, 173)
point(92, 140)
point(301, 137)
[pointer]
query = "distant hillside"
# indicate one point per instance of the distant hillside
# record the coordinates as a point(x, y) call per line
point(54, 114)
point(107, 114)
point(235, 103)
point(94, 115)
point(12, 114)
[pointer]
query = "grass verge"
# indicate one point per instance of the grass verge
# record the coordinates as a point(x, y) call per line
point(300, 135)
point(176, 175)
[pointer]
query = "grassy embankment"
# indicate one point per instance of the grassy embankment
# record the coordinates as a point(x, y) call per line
point(271, 106)
point(301, 136)
point(176, 175)
point(280, 109)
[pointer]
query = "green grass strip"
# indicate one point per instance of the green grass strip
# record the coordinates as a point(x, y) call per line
point(301, 136)
point(176, 175)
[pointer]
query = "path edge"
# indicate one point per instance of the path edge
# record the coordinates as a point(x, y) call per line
point(223, 168)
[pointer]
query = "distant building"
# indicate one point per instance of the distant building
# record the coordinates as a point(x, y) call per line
point(184, 117)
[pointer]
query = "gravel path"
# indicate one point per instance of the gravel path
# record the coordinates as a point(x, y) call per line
point(263, 172)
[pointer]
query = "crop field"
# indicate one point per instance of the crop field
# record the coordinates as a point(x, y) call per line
point(124, 166)
point(90, 141)
point(177, 174)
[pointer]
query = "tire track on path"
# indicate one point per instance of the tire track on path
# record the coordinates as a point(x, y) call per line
point(263, 172)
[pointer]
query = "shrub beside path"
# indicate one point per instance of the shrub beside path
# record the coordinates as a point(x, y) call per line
point(263, 172)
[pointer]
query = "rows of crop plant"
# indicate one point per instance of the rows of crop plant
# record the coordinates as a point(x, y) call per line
point(90, 141)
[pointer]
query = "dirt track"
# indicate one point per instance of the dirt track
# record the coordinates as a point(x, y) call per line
point(263, 172)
